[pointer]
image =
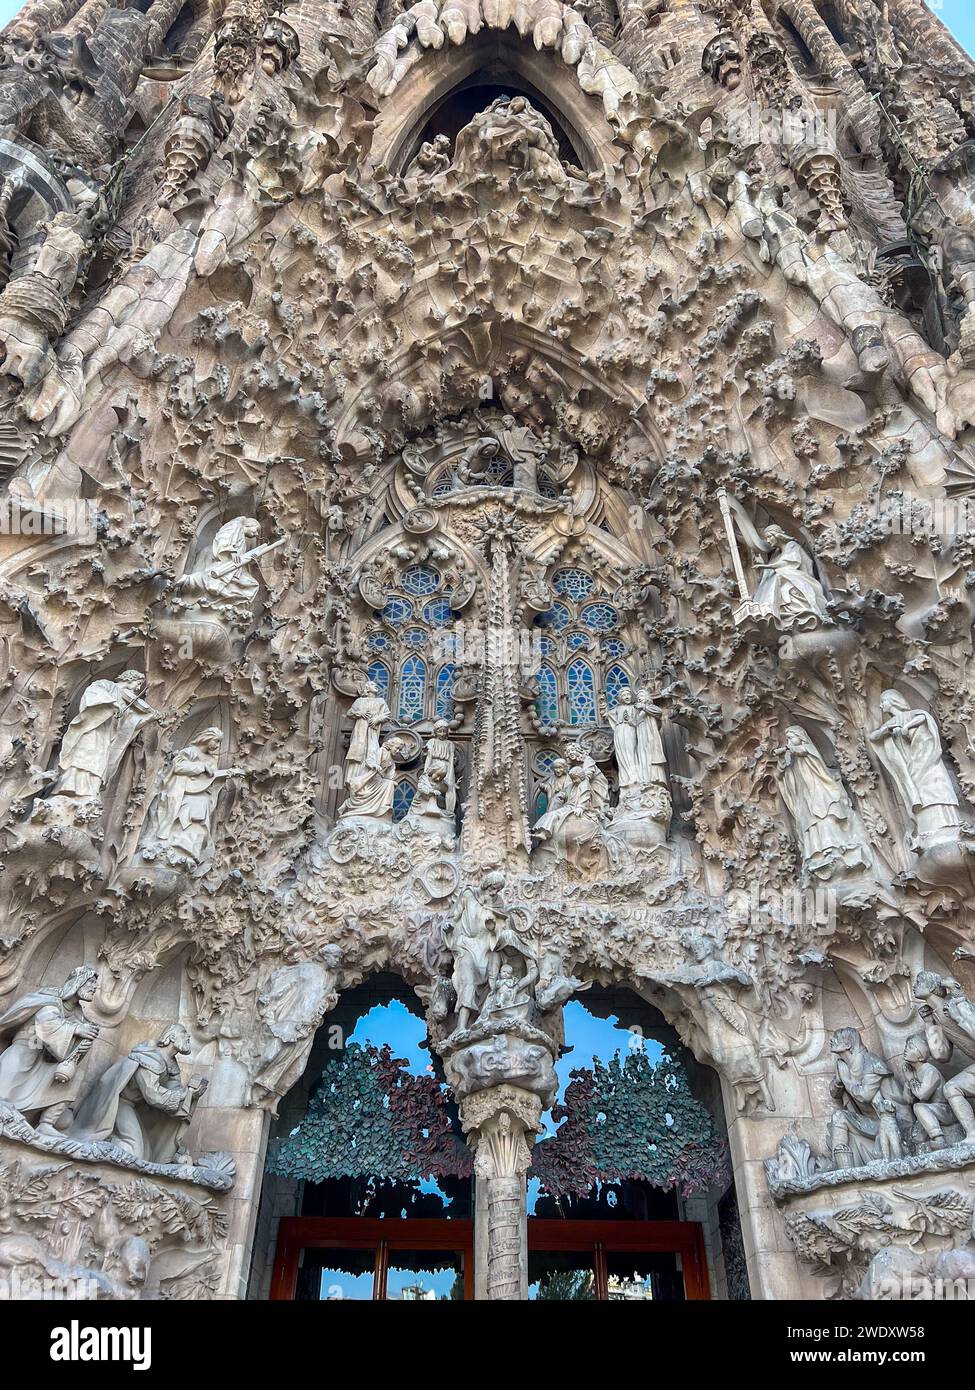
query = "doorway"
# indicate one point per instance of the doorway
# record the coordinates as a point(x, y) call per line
point(331, 1259)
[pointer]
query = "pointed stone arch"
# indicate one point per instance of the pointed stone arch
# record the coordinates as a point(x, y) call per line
point(502, 59)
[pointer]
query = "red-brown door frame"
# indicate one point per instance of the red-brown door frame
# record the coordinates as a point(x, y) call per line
point(684, 1238)
point(296, 1233)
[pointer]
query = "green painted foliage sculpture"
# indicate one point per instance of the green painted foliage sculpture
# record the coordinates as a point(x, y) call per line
point(630, 1118)
point(623, 1119)
point(371, 1116)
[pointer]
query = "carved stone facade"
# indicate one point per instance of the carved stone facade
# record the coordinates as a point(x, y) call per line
point(487, 497)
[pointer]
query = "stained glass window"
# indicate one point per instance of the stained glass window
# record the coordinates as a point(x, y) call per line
point(378, 671)
point(437, 613)
point(601, 617)
point(614, 647)
point(556, 617)
point(499, 473)
point(578, 642)
point(616, 679)
point(418, 639)
point(397, 612)
point(547, 704)
point(412, 689)
point(581, 689)
point(443, 485)
point(547, 486)
point(402, 798)
point(574, 584)
point(419, 580)
point(444, 706)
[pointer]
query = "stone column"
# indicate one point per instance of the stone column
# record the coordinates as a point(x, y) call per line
point(501, 1124)
point(835, 64)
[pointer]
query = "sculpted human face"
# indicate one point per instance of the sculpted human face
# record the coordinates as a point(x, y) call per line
point(86, 991)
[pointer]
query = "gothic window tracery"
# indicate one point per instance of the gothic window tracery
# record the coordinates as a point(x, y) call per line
point(411, 647)
point(583, 652)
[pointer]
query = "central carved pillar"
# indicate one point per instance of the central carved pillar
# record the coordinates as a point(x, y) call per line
point(501, 1124)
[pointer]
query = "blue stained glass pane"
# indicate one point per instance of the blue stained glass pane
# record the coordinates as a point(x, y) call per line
point(582, 693)
point(547, 704)
point(438, 613)
point(600, 617)
point(499, 473)
point(541, 805)
point(614, 646)
point(443, 485)
point(402, 799)
point(419, 579)
point(616, 679)
point(378, 671)
point(574, 584)
point(397, 611)
point(378, 641)
point(412, 688)
point(546, 646)
point(415, 637)
point(556, 617)
point(444, 707)
point(547, 487)
point(578, 642)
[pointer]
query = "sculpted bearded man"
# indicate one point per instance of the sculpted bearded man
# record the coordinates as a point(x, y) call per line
point(140, 1102)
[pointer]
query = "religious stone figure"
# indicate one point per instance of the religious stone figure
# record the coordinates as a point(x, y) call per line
point(517, 443)
point(49, 1035)
point(557, 790)
point(510, 131)
point(292, 1005)
point(435, 802)
point(925, 1087)
point(225, 585)
point(34, 306)
point(866, 1093)
point(639, 752)
point(477, 941)
point(788, 592)
point(591, 789)
point(140, 1103)
point(369, 764)
point(908, 746)
point(820, 809)
point(510, 998)
point(949, 1022)
point(571, 827)
point(110, 714)
point(179, 828)
point(372, 789)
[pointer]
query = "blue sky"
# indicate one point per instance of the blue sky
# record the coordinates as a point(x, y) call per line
point(959, 15)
